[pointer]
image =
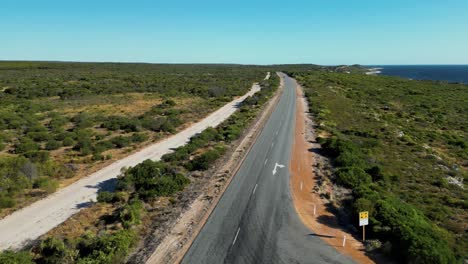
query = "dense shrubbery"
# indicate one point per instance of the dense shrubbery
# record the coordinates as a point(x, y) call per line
point(19, 174)
point(150, 179)
point(104, 249)
point(383, 135)
point(413, 237)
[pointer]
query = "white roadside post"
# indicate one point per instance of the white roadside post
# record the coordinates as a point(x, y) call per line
point(315, 208)
point(344, 240)
point(363, 221)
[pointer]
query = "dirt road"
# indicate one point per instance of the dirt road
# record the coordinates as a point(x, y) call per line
point(29, 223)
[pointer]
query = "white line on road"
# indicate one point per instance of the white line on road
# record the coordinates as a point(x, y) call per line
point(265, 162)
point(272, 144)
point(235, 238)
point(255, 188)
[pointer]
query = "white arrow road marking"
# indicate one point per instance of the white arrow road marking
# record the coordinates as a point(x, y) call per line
point(277, 165)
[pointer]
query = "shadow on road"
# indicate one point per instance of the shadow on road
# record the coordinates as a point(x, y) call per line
point(108, 185)
point(84, 205)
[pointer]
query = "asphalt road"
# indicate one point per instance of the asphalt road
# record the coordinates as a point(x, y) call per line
point(255, 220)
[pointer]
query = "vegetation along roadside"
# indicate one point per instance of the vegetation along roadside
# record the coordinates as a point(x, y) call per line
point(400, 146)
point(62, 121)
point(140, 192)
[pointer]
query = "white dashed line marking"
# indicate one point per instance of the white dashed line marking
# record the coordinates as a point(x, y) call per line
point(235, 238)
point(255, 188)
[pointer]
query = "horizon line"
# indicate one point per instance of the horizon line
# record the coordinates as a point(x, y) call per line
point(234, 63)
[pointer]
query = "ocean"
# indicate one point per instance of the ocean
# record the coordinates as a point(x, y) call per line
point(449, 73)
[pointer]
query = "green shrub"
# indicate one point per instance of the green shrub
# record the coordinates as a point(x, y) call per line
point(121, 142)
point(130, 214)
point(102, 146)
point(45, 183)
point(83, 120)
point(37, 156)
point(105, 197)
point(121, 122)
point(109, 248)
point(84, 146)
point(7, 202)
point(97, 157)
point(11, 257)
point(139, 137)
point(414, 238)
point(53, 250)
point(25, 145)
point(53, 145)
point(38, 136)
point(353, 177)
point(68, 141)
point(206, 159)
point(151, 179)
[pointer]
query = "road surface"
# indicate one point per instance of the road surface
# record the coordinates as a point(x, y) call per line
point(255, 220)
point(37, 219)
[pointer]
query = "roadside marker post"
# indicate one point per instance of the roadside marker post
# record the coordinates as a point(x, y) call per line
point(344, 240)
point(315, 207)
point(363, 221)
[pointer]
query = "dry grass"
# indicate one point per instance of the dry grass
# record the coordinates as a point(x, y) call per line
point(87, 219)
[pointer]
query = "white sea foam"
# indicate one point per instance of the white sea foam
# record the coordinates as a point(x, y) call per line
point(374, 71)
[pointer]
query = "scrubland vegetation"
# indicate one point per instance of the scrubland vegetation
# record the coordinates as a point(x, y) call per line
point(58, 120)
point(401, 146)
point(141, 186)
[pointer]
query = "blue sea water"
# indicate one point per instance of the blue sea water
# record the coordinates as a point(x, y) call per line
point(449, 73)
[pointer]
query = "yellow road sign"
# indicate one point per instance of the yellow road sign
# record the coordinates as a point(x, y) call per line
point(363, 215)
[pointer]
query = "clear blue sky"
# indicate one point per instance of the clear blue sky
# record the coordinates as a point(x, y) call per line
point(240, 31)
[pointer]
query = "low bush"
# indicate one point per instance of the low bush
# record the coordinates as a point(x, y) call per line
point(11, 257)
point(37, 156)
point(45, 183)
point(121, 141)
point(6, 202)
point(53, 145)
point(105, 249)
point(150, 179)
point(206, 159)
point(130, 214)
point(105, 197)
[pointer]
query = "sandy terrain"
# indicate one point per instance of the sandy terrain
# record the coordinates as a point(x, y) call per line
point(303, 182)
point(30, 222)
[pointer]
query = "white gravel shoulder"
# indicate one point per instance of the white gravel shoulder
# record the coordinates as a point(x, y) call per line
point(29, 223)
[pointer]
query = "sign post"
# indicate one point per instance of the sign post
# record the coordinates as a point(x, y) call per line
point(363, 221)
